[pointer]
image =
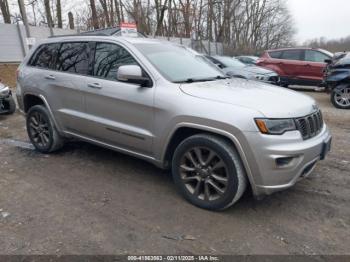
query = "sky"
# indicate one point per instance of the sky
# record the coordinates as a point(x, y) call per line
point(320, 18)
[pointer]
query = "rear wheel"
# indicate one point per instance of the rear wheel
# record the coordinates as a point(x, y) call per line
point(208, 172)
point(42, 131)
point(340, 96)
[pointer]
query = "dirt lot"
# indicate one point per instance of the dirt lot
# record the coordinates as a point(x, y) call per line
point(89, 200)
point(8, 74)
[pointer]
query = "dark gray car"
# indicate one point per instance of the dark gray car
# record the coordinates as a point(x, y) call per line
point(234, 67)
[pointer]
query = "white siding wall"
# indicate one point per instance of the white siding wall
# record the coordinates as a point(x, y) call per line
point(10, 43)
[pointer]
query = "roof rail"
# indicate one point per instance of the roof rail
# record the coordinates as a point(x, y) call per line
point(110, 31)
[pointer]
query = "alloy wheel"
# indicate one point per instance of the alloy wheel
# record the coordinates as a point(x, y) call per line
point(204, 173)
point(342, 96)
point(39, 129)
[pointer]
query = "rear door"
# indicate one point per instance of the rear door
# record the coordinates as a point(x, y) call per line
point(68, 80)
point(61, 86)
point(314, 64)
point(118, 113)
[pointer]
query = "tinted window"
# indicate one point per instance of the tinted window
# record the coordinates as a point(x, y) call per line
point(275, 54)
point(291, 55)
point(73, 57)
point(315, 56)
point(45, 56)
point(108, 58)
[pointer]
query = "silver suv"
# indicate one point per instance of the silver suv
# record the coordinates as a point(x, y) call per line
point(168, 105)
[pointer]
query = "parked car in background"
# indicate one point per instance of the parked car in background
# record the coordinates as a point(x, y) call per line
point(337, 80)
point(235, 68)
point(249, 60)
point(7, 103)
point(297, 66)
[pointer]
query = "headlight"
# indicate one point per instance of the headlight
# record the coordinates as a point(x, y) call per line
point(5, 91)
point(260, 77)
point(275, 126)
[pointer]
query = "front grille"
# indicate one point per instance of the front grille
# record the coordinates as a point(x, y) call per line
point(273, 79)
point(311, 125)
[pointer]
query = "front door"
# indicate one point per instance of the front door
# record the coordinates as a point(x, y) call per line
point(117, 113)
point(314, 65)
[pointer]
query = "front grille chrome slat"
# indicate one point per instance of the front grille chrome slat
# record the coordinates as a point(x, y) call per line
point(310, 125)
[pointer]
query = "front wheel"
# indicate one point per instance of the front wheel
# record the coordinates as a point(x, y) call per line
point(207, 170)
point(340, 96)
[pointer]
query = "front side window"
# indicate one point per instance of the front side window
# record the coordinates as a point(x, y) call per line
point(178, 64)
point(291, 55)
point(45, 56)
point(73, 57)
point(108, 58)
point(315, 56)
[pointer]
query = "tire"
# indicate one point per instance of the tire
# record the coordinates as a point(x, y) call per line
point(340, 96)
point(12, 106)
point(200, 186)
point(42, 131)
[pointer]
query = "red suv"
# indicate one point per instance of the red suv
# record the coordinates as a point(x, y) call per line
point(296, 66)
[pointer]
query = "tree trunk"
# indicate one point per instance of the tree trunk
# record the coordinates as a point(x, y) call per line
point(59, 14)
point(94, 15)
point(4, 7)
point(105, 11)
point(48, 13)
point(71, 20)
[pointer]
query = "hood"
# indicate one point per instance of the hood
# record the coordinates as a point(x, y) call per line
point(271, 101)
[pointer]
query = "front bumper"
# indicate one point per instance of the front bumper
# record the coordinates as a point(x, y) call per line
point(5, 104)
point(278, 162)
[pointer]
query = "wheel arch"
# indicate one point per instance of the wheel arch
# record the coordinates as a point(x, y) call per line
point(185, 130)
point(31, 99)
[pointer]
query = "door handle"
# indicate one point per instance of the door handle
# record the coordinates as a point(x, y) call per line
point(307, 65)
point(95, 85)
point(50, 77)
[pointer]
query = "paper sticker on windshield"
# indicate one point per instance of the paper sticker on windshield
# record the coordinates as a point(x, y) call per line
point(128, 29)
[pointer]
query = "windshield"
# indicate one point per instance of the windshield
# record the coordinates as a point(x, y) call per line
point(327, 52)
point(229, 61)
point(178, 64)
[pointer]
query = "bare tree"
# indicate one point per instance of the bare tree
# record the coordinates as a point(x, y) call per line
point(59, 13)
point(71, 20)
point(95, 23)
point(4, 7)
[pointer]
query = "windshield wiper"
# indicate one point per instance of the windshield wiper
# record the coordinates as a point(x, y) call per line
point(193, 80)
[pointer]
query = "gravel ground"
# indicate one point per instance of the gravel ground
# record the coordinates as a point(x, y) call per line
point(89, 200)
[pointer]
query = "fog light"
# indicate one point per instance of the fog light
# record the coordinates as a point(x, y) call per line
point(283, 161)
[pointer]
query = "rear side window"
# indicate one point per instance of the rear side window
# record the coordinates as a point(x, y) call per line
point(315, 56)
point(275, 54)
point(108, 58)
point(73, 57)
point(292, 55)
point(45, 56)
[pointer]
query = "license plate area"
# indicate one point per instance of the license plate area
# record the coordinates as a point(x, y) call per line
point(327, 145)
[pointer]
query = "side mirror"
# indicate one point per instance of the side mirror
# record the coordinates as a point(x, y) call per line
point(132, 74)
point(328, 61)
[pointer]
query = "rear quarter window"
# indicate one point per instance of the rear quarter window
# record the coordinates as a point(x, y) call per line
point(45, 56)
